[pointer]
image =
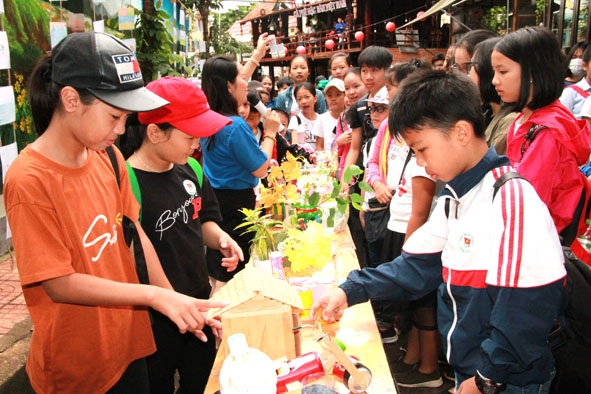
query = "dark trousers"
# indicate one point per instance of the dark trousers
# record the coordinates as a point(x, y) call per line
point(184, 353)
point(230, 202)
point(389, 313)
point(133, 380)
point(358, 235)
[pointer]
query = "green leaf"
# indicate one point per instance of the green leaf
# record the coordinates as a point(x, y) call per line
point(314, 199)
point(357, 201)
point(365, 187)
point(336, 189)
point(353, 171)
point(330, 219)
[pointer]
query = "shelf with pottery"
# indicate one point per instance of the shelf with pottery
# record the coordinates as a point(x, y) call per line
point(275, 301)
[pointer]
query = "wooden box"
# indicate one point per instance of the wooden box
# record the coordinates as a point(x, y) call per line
point(267, 325)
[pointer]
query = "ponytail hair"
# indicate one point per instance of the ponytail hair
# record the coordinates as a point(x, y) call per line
point(134, 135)
point(44, 94)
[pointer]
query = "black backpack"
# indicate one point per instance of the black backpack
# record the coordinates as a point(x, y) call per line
point(570, 337)
point(571, 342)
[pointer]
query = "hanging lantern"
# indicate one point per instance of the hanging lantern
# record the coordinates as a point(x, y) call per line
point(329, 44)
point(359, 36)
point(420, 14)
point(390, 26)
point(301, 50)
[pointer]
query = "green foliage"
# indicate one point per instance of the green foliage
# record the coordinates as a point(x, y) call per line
point(23, 125)
point(221, 41)
point(264, 228)
point(154, 45)
point(495, 19)
point(27, 28)
point(224, 43)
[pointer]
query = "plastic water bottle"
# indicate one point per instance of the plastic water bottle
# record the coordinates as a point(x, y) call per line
point(247, 370)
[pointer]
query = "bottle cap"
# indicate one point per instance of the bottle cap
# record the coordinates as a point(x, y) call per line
point(340, 344)
point(237, 344)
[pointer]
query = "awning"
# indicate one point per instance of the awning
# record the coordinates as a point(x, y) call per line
point(441, 4)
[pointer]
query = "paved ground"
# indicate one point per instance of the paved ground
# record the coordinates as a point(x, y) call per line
point(15, 331)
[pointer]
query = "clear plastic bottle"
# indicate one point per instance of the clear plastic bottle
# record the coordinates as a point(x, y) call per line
point(585, 239)
point(247, 370)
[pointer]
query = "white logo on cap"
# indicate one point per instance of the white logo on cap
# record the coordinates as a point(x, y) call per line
point(128, 68)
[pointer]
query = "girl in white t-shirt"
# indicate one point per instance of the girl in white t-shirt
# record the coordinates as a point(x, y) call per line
point(326, 125)
point(301, 125)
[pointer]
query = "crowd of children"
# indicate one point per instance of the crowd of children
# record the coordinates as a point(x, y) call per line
point(471, 291)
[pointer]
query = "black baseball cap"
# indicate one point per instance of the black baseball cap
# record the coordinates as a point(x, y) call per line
point(106, 67)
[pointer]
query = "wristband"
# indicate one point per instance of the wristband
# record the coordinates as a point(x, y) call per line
point(254, 61)
point(487, 386)
point(269, 136)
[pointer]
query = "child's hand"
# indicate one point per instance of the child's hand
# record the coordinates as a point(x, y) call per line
point(383, 192)
point(332, 305)
point(231, 251)
point(468, 387)
point(184, 311)
point(344, 138)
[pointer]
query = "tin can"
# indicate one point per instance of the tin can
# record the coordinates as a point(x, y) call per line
point(293, 371)
point(277, 264)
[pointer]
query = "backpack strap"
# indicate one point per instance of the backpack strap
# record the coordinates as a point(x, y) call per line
point(135, 187)
point(496, 186)
point(579, 90)
point(408, 157)
point(198, 170)
point(111, 152)
point(529, 137)
point(130, 232)
point(503, 179)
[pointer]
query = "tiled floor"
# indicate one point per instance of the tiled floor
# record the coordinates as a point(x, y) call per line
point(12, 303)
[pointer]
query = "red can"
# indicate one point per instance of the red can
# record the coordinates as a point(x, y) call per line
point(291, 373)
point(339, 371)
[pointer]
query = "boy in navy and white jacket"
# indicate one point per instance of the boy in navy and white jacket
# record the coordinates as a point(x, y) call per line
point(496, 260)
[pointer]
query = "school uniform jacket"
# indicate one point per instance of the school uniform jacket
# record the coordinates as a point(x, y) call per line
point(499, 269)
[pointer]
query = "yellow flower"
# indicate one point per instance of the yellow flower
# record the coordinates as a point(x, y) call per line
point(275, 174)
point(292, 168)
point(310, 249)
point(291, 192)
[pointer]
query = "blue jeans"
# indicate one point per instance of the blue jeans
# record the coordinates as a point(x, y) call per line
point(543, 388)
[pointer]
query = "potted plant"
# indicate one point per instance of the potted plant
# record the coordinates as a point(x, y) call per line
point(307, 189)
point(265, 229)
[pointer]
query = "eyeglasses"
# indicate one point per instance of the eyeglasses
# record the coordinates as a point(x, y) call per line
point(465, 68)
point(377, 108)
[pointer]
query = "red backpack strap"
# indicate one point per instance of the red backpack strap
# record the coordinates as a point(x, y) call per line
point(579, 90)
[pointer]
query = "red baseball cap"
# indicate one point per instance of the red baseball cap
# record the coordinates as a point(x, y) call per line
point(188, 110)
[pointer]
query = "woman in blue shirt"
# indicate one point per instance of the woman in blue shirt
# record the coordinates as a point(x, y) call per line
point(233, 161)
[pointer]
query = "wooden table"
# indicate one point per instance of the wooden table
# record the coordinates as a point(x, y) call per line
point(357, 330)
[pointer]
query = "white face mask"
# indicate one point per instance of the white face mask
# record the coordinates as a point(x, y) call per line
point(576, 67)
